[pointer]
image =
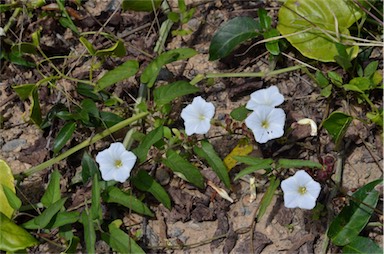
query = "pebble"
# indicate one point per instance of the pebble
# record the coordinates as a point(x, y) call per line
point(13, 144)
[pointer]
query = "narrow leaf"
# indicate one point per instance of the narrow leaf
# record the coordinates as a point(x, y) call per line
point(96, 201)
point(115, 195)
point(89, 167)
point(52, 193)
point(121, 72)
point(64, 135)
point(167, 93)
point(12, 198)
point(35, 113)
point(89, 232)
point(251, 169)
point(231, 34)
point(179, 165)
point(64, 218)
point(353, 218)
point(151, 138)
point(286, 163)
point(24, 91)
point(209, 154)
point(267, 197)
point(362, 245)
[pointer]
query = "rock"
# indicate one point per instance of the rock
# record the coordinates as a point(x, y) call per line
point(13, 144)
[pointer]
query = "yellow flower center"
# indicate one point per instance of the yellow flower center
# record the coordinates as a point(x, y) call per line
point(201, 117)
point(265, 124)
point(302, 190)
point(118, 163)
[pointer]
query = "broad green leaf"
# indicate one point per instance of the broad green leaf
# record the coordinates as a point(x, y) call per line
point(89, 167)
point(119, 240)
point(64, 135)
point(264, 164)
point(110, 119)
point(118, 50)
point(362, 83)
point(115, 195)
point(121, 72)
point(95, 212)
point(267, 197)
point(272, 46)
point(64, 218)
point(181, 166)
point(240, 113)
point(336, 125)
point(144, 182)
point(353, 218)
point(151, 72)
point(52, 193)
point(151, 138)
point(167, 93)
point(35, 113)
point(90, 107)
point(12, 198)
point(13, 237)
point(287, 163)
point(362, 245)
point(6, 179)
point(24, 91)
point(87, 45)
point(326, 91)
point(336, 16)
point(140, 5)
point(207, 152)
point(45, 217)
point(231, 34)
point(89, 231)
point(371, 69)
point(335, 78)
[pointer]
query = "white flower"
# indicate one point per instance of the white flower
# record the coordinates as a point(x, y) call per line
point(197, 116)
point(269, 97)
point(306, 121)
point(266, 123)
point(300, 191)
point(116, 162)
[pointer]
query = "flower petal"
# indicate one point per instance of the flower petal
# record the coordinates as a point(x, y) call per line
point(306, 202)
point(291, 200)
point(268, 97)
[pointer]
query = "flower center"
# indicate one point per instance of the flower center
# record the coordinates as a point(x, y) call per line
point(201, 117)
point(265, 124)
point(118, 163)
point(302, 190)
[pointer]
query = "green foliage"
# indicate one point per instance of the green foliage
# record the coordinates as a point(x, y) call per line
point(89, 167)
point(286, 163)
point(140, 5)
point(6, 179)
point(52, 193)
point(240, 113)
point(64, 135)
point(89, 231)
point(167, 93)
point(145, 144)
point(362, 245)
point(268, 196)
point(353, 218)
point(317, 25)
point(337, 124)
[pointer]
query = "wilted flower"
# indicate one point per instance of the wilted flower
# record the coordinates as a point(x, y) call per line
point(268, 97)
point(197, 116)
point(116, 162)
point(306, 121)
point(266, 123)
point(300, 190)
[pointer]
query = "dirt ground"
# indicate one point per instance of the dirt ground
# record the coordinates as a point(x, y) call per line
point(196, 216)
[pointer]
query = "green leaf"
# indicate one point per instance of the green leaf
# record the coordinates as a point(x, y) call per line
point(343, 58)
point(24, 91)
point(353, 218)
point(52, 193)
point(167, 93)
point(12, 198)
point(45, 217)
point(263, 164)
point(240, 113)
point(121, 72)
point(287, 163)
point(144, 182)
point(209, 154)
point(265, 20)
point(336, 125)
point(24, 48)
point(231, 34)
point(90, 107)
point(87, 91)
point(87, 45)
point(66, 20)
point(118, 50)
point(64, 135)
point(17, 58)
point(64, 218)
point(35, 113)
point(96, 201)
point(371, 69)
point(272, 46)
point(295, 16)
point(140, 5)
point(6, 179)
point(151, 72)
point(52, 114)
point(89, 167)
point(326, 91)
point(89, 231)
point(183, 168)
point(267, 197)
point(110, 119)
point(254, 161)
point(13, 237)
point(115, 195)
point(321, 80)
point(119, 240)
point(362, 83)
point(362, 245)
point(151, 138)
point(336, 79)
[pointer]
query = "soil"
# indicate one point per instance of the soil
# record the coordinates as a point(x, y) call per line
point(197, 216)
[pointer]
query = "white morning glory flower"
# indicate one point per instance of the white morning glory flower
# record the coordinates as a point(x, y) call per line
point(300, 190)
point(266, 123)
point(269, 97)
point(197, 116)
point(116, 162)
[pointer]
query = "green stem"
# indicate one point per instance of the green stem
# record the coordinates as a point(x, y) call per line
point(11, 19)
point(82, 145)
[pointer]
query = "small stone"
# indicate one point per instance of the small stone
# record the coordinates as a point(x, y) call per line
point(13, 144)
